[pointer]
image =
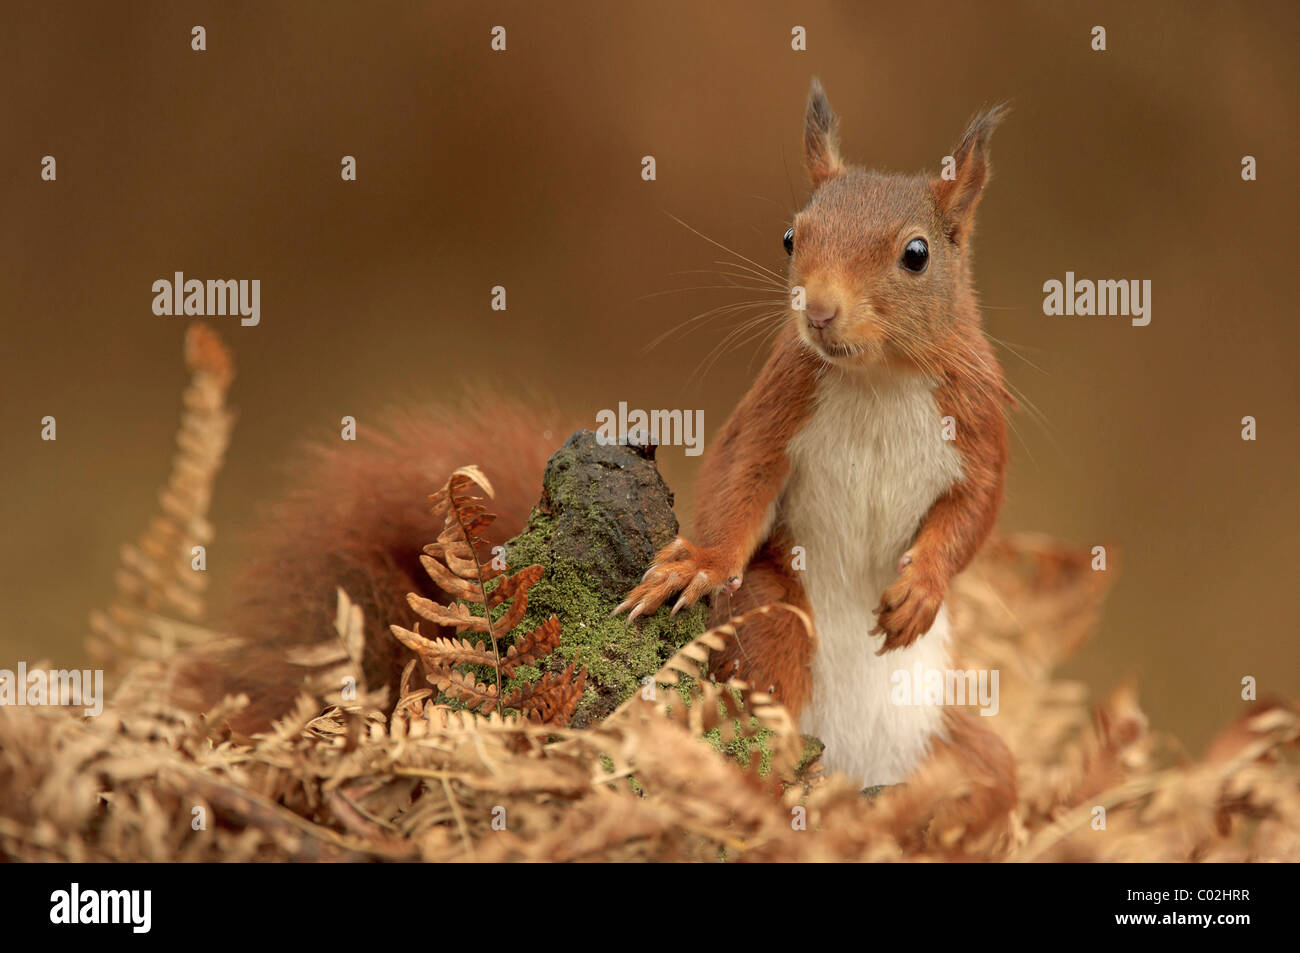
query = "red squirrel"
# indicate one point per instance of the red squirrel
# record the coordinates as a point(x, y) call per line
point(840, 448)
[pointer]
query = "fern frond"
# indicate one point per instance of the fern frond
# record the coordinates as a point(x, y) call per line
point(534, 646)
point(451, 582)
point(455, 615)
point(454, 564)
point(464, 687)
point(442, 653)
point(338, 662)
point(157, 587)
point(516, 586)
point(731, 709)
point(552, 699)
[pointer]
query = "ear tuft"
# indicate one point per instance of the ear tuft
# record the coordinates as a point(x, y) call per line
point(820, 137)
point(958, 197)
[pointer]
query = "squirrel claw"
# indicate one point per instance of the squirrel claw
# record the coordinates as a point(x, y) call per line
point(678, 568)
point(908, 608)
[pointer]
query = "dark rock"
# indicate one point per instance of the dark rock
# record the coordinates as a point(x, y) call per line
point(604, 513)
point(612, 510)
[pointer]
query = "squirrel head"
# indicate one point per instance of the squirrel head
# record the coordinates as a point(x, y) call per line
point(884, 260)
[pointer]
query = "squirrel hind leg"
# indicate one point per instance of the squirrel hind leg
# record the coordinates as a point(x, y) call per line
point(988, 770)
point(771, 652)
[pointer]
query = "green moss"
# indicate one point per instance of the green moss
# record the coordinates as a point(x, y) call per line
point(749, 741)
point(743, 747)
point(617, 656)
point(812, 750)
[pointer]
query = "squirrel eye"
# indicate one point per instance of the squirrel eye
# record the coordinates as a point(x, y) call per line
point(789, 241)
point(916, 255)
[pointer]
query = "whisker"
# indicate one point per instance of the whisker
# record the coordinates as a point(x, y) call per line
point(729, 251)
point(978, 376)
point(766, 281)
point(752, 273)
point(783, 208)
point(734, 338)
point(1015, 350)
point(688, 325)
point(672, 291)
point(766, 338)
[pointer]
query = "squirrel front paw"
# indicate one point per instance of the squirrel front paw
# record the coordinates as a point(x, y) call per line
point(909, 606)
point(680, 566)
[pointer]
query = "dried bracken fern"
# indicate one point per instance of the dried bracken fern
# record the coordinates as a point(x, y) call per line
point(340, 777)
point(159, 593)
point(728, 712)
point(337, 674)
point(428, 782)
point(451, 664)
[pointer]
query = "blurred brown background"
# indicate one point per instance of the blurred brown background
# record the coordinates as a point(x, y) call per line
point(523, 169)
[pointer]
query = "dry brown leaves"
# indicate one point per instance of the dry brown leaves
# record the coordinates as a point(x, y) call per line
point(159, 595)
point(456, 562)
point(352, 781)
point(349, 775)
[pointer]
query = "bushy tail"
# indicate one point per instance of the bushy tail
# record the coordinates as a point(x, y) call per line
point(358, 517)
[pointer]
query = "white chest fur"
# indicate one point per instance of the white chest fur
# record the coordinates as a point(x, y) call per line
point(865, 469)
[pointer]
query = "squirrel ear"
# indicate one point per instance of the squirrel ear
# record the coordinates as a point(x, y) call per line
point(820, 137)
point(958, 196)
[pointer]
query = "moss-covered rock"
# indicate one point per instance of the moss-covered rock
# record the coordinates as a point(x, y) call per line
point(604, 512)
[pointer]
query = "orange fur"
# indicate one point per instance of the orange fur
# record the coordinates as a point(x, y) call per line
point(988, 770)
point(739, 482)
point(772, 652)
point(863, 312)
point(358, 517)
point(360, 521)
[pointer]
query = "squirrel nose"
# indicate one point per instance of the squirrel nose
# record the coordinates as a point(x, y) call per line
point(820, 315)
